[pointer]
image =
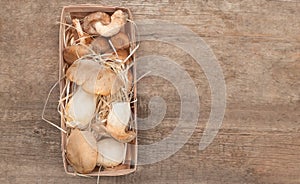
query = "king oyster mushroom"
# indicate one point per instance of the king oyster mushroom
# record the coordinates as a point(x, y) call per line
point(81, 151)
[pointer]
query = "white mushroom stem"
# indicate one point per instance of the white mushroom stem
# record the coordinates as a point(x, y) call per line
point(79, 30)
point(118, 19)
point(81, 109)
point(117, 122)
point(107, 31)
point(119, 114)
point(110, 152)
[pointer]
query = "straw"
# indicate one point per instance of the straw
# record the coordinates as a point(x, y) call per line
point(45, 105)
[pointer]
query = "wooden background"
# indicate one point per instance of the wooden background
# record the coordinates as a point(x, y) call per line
point(257, 44)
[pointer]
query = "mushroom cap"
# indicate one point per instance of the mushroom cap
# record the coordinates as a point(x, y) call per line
point(89, 21)
point(102, 84)
point(122, 55)
point(93, 77)
point(110, 152)
point(81, 151)
point(120, 41)
point(80, 70)
point(100, 45)
point(74, 52)
point(120, 134)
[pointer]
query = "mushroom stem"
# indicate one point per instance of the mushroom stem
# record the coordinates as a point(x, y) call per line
point(117, 122)
point(88, 21)
point(78, 28)
point(110, 152)
point(80, 109)
point(83, 37)
point(118, 19)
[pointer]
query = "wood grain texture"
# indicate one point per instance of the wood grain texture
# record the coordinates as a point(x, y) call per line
point(257, 44)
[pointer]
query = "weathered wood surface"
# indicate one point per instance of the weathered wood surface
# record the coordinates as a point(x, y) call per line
point(257, 44)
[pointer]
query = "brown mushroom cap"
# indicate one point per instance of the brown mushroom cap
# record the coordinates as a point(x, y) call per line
point(81, 151)
point(119, 134)
point(94, 78)
point(74, 52)
point(122, 55)
point(120, 41)
point(90, 19)
point(100, 45)
point(102, 84)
